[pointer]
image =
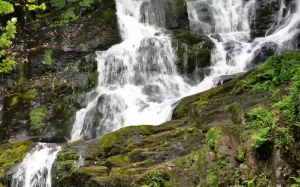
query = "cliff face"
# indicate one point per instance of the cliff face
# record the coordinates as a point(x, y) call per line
point(244, 132)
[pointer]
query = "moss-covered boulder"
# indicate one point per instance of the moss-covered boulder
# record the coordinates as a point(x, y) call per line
point(125, 157)
point(12, 154)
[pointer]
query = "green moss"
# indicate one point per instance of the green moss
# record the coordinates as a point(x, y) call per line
point(93, 170)
point(108, 14)
point(30, 94)
point(36, 26)
point(14, 101)
point(48, 57)
point(118, 142)
point(117, 161)
point(37, 116)
point(86, 3)
point(75, 143)
point(92, 79)
point(66, 154)
point(181, 2)
point(57, 4)
point(68, 16)
point(277, 70)
point(212, 178)
point(13, 153)
point(241, 155)
point(236, 113)
point(197, 101)
point(213, 137)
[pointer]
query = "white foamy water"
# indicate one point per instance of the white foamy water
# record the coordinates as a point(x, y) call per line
point(138, 81)
point(35, 170)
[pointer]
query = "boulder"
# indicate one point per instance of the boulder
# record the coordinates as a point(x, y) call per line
point(263, 53)
point(193, 52)
point(169, 14)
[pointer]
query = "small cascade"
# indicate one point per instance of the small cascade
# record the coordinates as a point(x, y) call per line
point(35, 170)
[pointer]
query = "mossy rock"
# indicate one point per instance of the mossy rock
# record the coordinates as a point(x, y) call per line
point(12, 154)
point(193, 52)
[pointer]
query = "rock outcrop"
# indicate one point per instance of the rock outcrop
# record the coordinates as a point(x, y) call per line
point(55, 63)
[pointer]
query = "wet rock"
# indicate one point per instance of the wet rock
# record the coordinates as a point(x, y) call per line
point(233, 49)
point(226, 78)
point(206, 18)
point(260, 55)
point(43, 109)
point(169, 14)
point(217, 37)
point(265, 19)
point(194, 53)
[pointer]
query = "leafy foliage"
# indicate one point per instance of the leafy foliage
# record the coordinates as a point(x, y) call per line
point(9, 31)
point(261, 120)
point(213, 136)
point(283, 137)
point(262, 137)
point(289, 106)
point(37, 116)
point(241, 155)
point(259, 117)
point(212, 178)
point(277, 70)
point(296, 180)
point(156, 180)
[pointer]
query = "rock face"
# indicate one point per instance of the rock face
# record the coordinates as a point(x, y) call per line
point(266, 15)
point(64, 33)
point(261, 55)
point(43, 108)
point(56, 63)
point(169, 14)
point(193, 53)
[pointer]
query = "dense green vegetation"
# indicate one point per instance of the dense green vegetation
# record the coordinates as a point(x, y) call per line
point(9, 31)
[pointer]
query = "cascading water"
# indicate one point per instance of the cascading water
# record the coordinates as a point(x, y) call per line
point(35, 170)
point(227, 24)
point(138, 82)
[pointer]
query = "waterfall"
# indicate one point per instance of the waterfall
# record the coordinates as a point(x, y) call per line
point(138, 82)
point(35, 170)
